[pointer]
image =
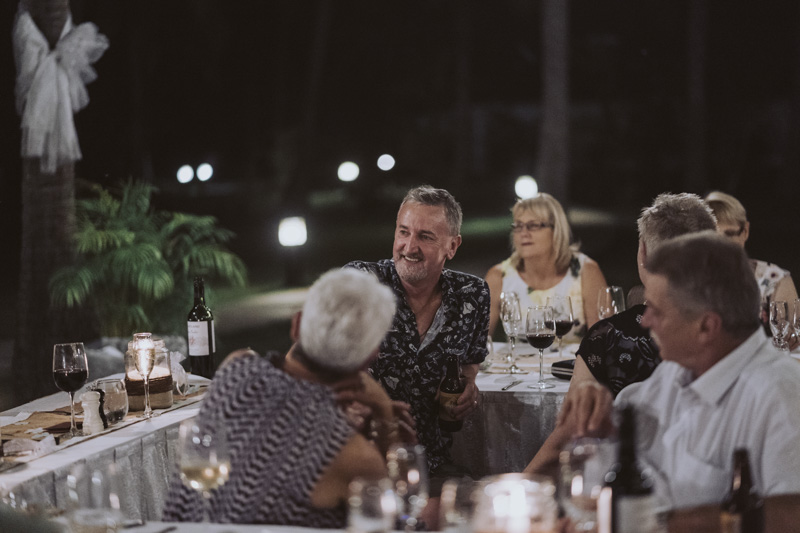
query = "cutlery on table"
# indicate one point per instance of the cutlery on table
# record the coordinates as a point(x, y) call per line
point(512, 384)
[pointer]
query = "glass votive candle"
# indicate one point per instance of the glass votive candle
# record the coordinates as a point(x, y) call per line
point(115, 399)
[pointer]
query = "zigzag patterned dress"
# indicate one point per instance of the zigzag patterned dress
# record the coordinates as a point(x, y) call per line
point(282, 434)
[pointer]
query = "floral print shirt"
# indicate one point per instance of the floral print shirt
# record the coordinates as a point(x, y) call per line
point(619, 351)
point(410, 368)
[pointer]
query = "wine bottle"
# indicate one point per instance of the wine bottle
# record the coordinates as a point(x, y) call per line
point(742, 508)
point(202, 343)
point(449, 391)
point(627, 503)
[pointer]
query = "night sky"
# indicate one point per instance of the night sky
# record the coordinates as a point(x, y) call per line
point(275, 94)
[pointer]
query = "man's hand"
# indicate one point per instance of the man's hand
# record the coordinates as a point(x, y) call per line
point(407, 426)
point(590, 409)
point(362, 388)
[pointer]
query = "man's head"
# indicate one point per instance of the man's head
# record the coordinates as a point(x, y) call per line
point(701, 296)
point(670, 216)
point(426, 235)
point(731, 216)
point(345, 317)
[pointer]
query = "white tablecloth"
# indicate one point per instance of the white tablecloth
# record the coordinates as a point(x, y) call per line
point(144, 453)
point(510, 426)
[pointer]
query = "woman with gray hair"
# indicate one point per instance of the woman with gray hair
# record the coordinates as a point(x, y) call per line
point(293, 451)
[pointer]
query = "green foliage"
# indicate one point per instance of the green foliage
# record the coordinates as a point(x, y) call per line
point(135, 266)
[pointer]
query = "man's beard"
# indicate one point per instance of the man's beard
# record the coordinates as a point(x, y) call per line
point(411, 272)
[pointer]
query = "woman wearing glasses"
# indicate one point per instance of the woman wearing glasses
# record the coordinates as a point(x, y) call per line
point(774, 282)
point(543, 263)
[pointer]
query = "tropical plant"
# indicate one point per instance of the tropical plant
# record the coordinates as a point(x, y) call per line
point(135, 266)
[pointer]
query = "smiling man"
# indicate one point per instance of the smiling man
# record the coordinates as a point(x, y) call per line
point(439, 312)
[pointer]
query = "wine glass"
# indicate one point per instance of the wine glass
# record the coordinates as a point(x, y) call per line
point(408, 470)
point(70, 372)
point(779, 324)
point(456, 505)
point(144, 358)
point(511, 317)
point(515, 503)
point(541, 331)
point(583, 464)
point(204, 460)
point(562, 312)
point(371, 506)
point(610, 301)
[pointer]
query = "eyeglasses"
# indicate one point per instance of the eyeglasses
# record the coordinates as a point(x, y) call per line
point(518, 227)
point(732, 233)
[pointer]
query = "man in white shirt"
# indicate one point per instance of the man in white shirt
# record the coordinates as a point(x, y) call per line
point(722, 384)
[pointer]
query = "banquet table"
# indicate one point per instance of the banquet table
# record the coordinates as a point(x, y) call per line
point(143, 451)
point(510, 426)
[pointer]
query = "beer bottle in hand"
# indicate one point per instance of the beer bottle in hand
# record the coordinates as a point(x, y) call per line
point(449, 391)
point(202, 344)
point(742, 508)
point(627, 503)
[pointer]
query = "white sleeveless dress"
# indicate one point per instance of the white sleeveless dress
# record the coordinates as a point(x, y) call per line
point(570, 285)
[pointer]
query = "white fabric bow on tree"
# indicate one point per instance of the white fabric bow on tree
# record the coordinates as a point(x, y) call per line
point(51, 86)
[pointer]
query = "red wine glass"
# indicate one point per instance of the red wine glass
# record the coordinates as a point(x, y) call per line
point(562, 312)
point(70, 372)
point(541, 332)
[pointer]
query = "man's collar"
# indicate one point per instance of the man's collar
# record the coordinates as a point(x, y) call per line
point(715, 382)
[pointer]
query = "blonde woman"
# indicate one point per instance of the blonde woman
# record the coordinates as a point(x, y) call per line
point(774, 282)
point(544, 263)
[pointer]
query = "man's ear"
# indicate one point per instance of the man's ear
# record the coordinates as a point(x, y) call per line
point(454, 244)
point(294, 329)
point(709, 327)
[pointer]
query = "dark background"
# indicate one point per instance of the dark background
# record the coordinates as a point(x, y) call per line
point(275, 94)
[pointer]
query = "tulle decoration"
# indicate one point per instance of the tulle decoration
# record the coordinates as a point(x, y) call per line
point(51, 86)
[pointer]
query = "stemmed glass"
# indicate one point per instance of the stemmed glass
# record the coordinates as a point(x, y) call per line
point(562, 311)
point(408, 470)
point(541, 332)
point(144, 358)
point(204, 460)
point(511, 317)
point(779, 323)
point(70, 372)
point(610, 301)
point(583, 464)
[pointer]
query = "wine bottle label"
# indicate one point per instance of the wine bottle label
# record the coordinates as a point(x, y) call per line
point(730, 522)
point(635, 514)
point(201, 337)
point(447, 402)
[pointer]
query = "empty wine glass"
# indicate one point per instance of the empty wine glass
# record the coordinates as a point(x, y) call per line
point(456, 505)
point(583, 464)
point(511, 317)
point(562, 312)
point(610, 301)
point(515, 503)
point(408, 471)
point(541, 332)
point(204, 460)
point(779, 324)
point(372, 506)
point(70, 372)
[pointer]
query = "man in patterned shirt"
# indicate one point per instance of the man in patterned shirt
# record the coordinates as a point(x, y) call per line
point(439, 312)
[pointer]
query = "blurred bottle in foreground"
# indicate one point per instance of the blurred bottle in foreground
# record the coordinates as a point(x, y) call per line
point(742, 508)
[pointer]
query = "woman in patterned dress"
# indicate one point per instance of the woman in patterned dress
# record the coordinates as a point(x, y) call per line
point(543, 263)
point(774, 282)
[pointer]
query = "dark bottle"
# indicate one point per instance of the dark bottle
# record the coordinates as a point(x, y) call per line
point(742, 508)
point(449, 391)
point(202, 343)
point(627, 503)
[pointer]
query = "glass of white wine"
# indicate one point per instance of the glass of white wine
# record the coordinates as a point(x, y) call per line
point(144, 358)
point(204, 460)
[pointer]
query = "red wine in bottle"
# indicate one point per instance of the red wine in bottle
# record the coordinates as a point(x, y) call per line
point(202, 343)
point(449, 391)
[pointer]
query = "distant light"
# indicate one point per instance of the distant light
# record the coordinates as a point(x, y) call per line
point(348, 171)
point(204, 172)
point(292, 231)
point(386, 162)
point(526, 187)
point(185, 174)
